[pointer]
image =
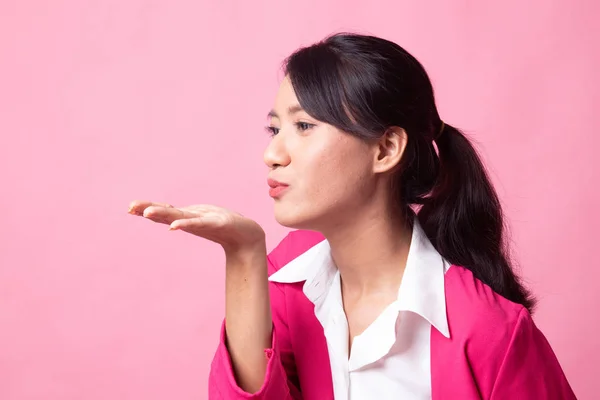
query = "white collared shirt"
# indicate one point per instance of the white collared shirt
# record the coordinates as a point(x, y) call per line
point(391, 358)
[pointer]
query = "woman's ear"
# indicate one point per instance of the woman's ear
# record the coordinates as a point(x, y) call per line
point(390, 149)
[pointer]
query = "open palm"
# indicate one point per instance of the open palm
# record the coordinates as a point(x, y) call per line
point(230, 229)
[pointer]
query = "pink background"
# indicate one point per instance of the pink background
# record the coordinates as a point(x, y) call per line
point(102, 102)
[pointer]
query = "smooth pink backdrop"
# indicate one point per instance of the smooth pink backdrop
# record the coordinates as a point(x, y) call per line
point(102, 102)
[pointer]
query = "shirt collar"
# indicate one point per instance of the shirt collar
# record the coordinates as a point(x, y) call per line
point(421, 290)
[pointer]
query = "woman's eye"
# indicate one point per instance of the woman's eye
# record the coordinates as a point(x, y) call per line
point(272, 130)
point(303, 126)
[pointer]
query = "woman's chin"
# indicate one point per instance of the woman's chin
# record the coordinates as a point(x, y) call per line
point(294, 220)
point(289, 221)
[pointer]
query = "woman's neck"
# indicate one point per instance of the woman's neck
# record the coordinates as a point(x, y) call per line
point(371, 252)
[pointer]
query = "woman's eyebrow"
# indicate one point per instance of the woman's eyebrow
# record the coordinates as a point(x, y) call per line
point(291, 110)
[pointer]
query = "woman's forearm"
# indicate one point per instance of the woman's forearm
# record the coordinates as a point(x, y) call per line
point(248, 320)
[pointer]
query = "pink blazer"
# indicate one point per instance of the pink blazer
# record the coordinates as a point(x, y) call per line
point(495, 351)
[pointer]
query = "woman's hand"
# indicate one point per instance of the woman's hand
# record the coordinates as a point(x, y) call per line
point(234, 232)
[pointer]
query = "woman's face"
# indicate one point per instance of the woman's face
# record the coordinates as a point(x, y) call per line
point(323, 175)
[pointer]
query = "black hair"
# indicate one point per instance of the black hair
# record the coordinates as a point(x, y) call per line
point(364, 85)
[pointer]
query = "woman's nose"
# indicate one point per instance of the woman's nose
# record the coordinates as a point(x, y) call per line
point(276, 154)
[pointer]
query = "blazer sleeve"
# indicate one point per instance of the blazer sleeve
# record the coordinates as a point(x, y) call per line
point(530, 369)
point(281, 381)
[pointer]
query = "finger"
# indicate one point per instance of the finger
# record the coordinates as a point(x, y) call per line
point(195, 224)
point(199, 209)
point(137, 207)
point(167, 215)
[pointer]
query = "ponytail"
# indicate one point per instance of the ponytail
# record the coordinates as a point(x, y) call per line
point(463, 219)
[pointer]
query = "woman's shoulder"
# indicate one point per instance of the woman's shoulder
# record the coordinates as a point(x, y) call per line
point(505, 352)
point(478, 314)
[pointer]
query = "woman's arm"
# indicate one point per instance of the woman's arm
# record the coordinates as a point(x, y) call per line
point(248, 323)
point(277, 380)
point(530, 369)
point(247, 363)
